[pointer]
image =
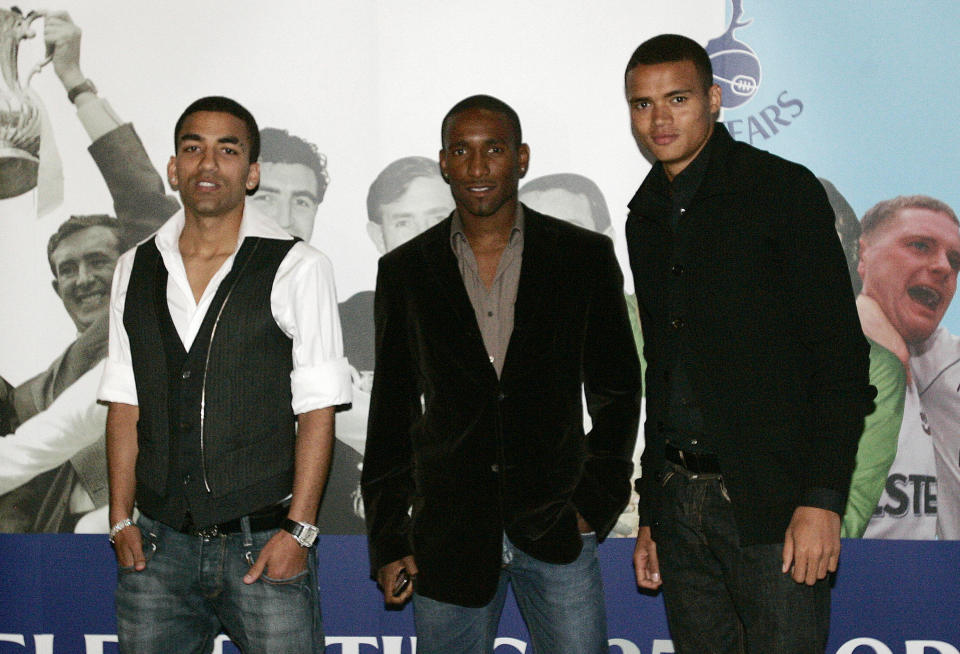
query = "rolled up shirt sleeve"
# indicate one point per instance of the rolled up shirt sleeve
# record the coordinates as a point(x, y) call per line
point(304, 304)
point(117, 383)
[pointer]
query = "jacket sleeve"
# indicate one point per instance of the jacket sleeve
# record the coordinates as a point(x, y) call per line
point(878, 444)
point(837, 393)
point(141, 207)
point(611, 379)
point(134, 184)
point(387, 478)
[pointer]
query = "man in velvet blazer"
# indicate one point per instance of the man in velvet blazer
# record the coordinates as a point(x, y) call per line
point(465, 462)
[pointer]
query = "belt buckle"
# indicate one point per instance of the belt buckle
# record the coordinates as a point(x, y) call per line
point(208, 533)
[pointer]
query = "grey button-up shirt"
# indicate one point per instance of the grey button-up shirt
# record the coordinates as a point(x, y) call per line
point(494, 306)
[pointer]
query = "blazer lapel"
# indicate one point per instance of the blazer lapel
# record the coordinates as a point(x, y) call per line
point(537, 281)
point(442, 264)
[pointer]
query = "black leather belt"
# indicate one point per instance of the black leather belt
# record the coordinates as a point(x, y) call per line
point(697, 463)
point(269, 518)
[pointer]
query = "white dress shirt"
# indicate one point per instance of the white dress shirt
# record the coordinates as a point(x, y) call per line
point(51, 437)
point(303, 302)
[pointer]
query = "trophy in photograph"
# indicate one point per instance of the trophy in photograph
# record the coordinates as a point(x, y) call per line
point(19, 112)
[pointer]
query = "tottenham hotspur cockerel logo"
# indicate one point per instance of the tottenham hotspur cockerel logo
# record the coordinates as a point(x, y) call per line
point(736, 68)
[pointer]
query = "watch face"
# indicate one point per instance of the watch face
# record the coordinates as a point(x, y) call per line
point(305, 533)
point(308, 535)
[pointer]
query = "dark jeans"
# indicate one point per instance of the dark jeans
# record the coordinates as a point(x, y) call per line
point(562, 605)
point(192, 588)
point(722, 597)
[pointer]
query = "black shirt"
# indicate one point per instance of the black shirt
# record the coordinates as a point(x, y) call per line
point(684, 425)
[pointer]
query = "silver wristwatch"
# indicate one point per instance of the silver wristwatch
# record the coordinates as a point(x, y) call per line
point(304, 532)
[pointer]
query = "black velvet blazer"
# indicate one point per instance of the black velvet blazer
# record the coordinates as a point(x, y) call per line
point(455, 457)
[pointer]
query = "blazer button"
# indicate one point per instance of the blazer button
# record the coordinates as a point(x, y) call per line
point(677, 269)
point(501, 396)
point(677, 323)
point(495, 467)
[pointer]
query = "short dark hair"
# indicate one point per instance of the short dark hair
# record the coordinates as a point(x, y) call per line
point(880, 213)
point(393, 181)
point(489, 103)
point(224, 105)
point(75, 224)
point(667, 48)
point(280, 146)
point(578, 184)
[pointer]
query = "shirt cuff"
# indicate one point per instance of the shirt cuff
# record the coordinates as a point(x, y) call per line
point(118, 384)
point(98, 118)
point(824, 498)
point(318, 387)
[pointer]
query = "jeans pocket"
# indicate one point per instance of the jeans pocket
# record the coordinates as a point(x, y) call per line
point(297, 578)
point(253, 552)
point(588, 540)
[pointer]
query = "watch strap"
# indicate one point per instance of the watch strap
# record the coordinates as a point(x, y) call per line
point(305, 533)
point(83, 87)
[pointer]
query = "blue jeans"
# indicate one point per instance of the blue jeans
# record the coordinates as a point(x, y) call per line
point(724, 598)
point(192, 588)
point(562, 606)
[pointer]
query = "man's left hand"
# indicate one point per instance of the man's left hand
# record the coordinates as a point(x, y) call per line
point(583, 526)
point(811, 546)
point(281, 558)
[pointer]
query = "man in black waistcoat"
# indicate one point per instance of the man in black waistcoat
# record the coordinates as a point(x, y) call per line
point(489, 326)
point(757, 380)
point(224, 368)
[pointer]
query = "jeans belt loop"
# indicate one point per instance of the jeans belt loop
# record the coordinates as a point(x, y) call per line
point(247, 532)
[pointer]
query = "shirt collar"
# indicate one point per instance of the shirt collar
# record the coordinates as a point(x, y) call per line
point(516, 233)
point(685, 185)
point(253, 224)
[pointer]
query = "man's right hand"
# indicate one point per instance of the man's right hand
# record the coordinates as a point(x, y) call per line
point(876, 326)
point(128, 546)
point(387, 580)
point(645, 561)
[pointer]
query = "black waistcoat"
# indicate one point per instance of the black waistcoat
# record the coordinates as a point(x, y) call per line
point(216, 430)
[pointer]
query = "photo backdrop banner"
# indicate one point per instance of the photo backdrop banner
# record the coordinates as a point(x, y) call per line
point(862, 97)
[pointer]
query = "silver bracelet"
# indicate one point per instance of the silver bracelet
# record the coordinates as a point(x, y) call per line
point(117, 528)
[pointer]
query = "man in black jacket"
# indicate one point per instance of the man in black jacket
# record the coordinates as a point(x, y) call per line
point(486, 441)
point(757, 371)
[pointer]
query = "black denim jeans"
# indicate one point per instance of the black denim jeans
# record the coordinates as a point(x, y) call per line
point(722, 597)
